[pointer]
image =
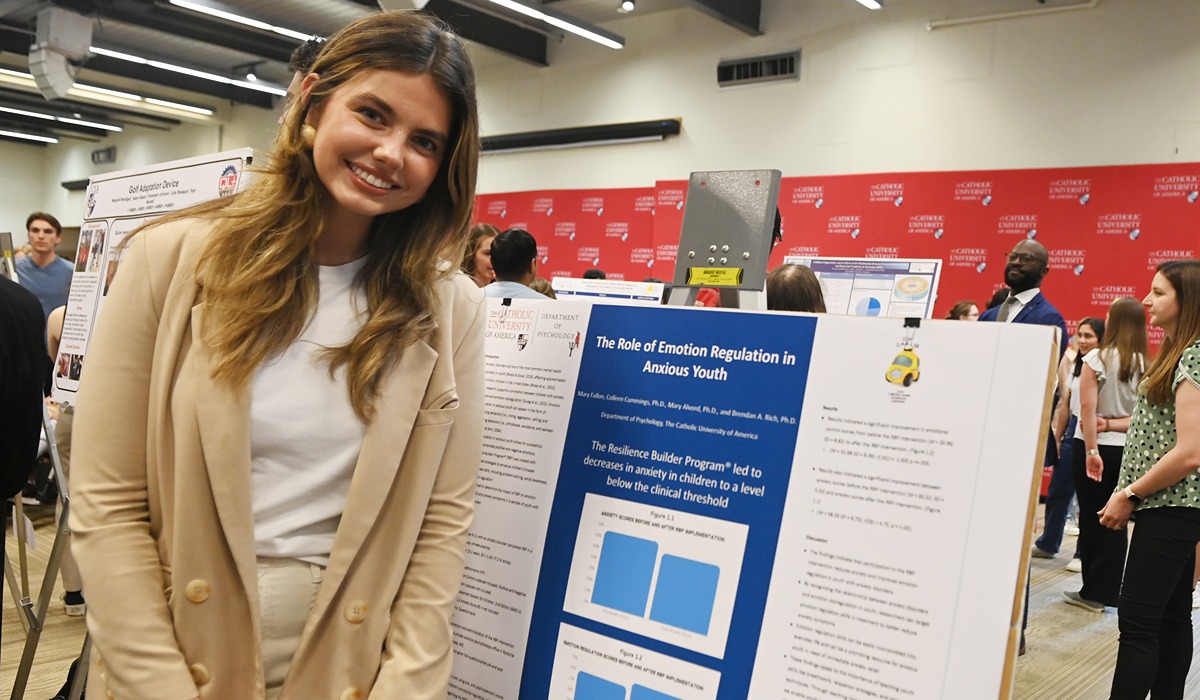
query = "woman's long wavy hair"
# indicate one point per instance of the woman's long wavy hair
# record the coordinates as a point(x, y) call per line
point(258, 273)
point(1184, 276)
point(1125, 332)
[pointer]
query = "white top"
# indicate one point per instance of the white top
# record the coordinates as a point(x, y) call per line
point(1115, 398)
point(304, 435)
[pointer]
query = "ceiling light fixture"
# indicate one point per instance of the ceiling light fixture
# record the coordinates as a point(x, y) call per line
point(871, 4)
point(628, 6)
point(110, 96)
point(107, 91)
point(261, 87)
point(194, 7)
point(176, 105)
point(27, 137)
point(591, 32)
point(249, 69)
point(65, 120)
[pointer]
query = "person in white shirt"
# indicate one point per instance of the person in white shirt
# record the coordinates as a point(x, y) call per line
point(276, 447)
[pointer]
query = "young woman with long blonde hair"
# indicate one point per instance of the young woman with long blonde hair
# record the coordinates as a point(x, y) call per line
point(277, 439)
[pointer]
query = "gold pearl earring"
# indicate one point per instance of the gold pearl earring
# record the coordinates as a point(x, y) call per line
point(308, 135)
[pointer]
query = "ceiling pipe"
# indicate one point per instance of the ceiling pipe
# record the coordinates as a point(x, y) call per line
point(1036, 12)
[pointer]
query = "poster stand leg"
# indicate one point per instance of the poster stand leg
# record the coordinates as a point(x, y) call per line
point(34, 617)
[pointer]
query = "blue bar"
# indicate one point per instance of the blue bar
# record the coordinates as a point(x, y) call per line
point(685, 593)
point(641, 692)
point(589, 687)
point(624, 573)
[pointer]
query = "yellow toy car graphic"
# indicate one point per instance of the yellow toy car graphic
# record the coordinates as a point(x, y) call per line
point(905, 368)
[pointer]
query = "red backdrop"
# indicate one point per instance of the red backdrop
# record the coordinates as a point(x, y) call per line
point(1106, 227)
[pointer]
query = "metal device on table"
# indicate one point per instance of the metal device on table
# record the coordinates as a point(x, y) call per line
point(729, 224)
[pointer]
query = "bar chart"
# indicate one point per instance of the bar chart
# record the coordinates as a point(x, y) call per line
point(665, 574)
point(589, 666)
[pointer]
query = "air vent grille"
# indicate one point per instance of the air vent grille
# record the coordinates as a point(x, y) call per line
point(759, 69)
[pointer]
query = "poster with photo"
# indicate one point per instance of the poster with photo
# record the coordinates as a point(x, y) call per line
point(117, 204)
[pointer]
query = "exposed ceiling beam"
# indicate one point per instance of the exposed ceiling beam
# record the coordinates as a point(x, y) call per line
point(481, 28)
point(745, 15)
point(147, 14)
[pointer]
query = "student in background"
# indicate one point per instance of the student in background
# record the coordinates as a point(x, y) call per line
point(514, 260)
point(477, 258)
point(964, 311)
point(794, 288)
point(1107, 393)
point(43, 272)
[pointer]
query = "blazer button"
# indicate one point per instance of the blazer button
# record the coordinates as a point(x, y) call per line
point(351, 694)
point(197, 590)
point(356, 612)
point(200, 674)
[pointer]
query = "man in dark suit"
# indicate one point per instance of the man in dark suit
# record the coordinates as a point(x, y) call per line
point(23, 370)
point(1028, 264)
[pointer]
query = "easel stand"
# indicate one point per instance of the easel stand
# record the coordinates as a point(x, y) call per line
point(728, 229)
point(33, 617)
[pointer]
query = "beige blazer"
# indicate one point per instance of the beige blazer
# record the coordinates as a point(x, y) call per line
point(161, 516)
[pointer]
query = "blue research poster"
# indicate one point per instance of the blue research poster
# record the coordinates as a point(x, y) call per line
point(667, 510)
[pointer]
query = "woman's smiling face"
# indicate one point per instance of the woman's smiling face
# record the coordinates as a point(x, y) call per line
point(380, 143)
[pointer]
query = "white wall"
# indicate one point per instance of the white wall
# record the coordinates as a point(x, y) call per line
point(21, 185)
point(878, 93)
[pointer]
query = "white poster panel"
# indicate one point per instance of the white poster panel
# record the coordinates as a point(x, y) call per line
point(892, 287)
point(626, 292)
point(117, 203)
point(683, 503)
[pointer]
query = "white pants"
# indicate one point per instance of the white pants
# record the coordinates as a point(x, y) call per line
point(287, 589)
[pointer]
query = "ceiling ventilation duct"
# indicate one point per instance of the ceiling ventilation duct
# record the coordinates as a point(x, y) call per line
point(62, 36)
point(759, 69)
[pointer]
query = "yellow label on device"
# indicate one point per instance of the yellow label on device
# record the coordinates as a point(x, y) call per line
point(715, 276)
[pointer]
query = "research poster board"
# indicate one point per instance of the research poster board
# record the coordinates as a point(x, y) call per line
point(8, 261)
point(897, 288)
point(625, 292)
point(116, 204)
point(715, 505)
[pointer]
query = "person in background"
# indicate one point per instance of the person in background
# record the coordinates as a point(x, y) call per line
point(514, 259)
point(23, 368)
point(1107, 393)
point(594, 274)
point(477, 258)
point(541, 285)
point(43, 272)
point(276, 447)
point(1027, 265)
point(794, 288)
point(964, 311)
point(1088, 334)
point(1159, 486)
point(301, 62)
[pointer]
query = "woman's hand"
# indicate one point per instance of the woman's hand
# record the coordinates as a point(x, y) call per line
point(1115, 514)
point(1095, 467)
